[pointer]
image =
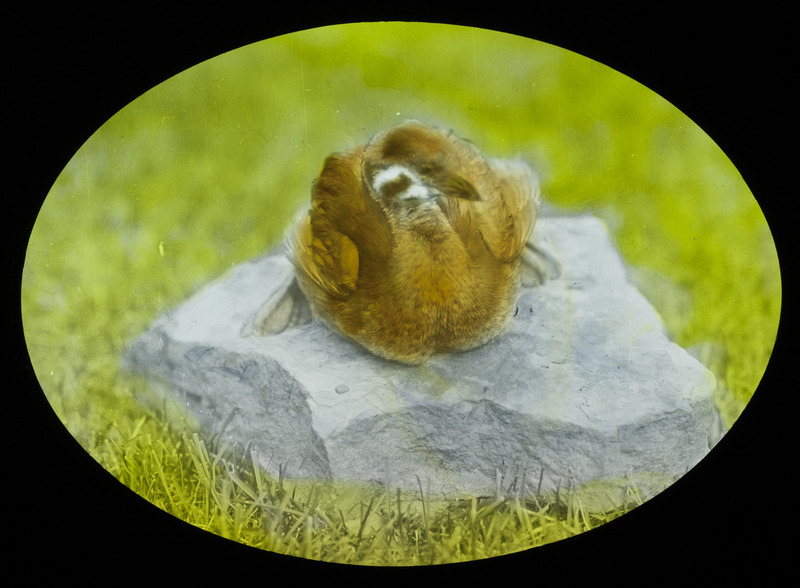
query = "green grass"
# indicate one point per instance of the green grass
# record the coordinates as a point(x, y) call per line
point(226, 494)
point(208, 170)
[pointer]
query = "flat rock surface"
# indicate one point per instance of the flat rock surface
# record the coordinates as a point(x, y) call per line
point(584, 386)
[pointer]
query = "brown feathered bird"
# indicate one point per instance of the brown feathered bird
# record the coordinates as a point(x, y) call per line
point(412, 244)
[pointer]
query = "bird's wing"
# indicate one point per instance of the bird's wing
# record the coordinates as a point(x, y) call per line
point(341, 229)
point(321, 248)
point(508, 211)
point(326, 256)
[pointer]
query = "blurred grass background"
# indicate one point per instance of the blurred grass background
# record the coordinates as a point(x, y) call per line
point(209, 168)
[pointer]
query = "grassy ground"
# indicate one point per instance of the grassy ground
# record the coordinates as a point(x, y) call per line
point(209, 168)
point(225, 494)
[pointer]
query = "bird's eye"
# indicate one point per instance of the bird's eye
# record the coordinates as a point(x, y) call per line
point(429, 168)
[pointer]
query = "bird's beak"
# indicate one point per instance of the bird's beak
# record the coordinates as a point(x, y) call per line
point(461, 188)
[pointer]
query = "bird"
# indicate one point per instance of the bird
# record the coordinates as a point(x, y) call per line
point(412, 243)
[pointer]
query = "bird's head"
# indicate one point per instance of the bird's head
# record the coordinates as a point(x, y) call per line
point(413, 168)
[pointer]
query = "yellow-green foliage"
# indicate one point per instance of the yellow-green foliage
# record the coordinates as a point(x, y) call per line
point(209, 168)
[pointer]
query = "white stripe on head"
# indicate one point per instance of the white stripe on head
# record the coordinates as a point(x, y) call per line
point(392, 173)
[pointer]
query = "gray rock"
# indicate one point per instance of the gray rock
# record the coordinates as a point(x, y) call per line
point(584, 386)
